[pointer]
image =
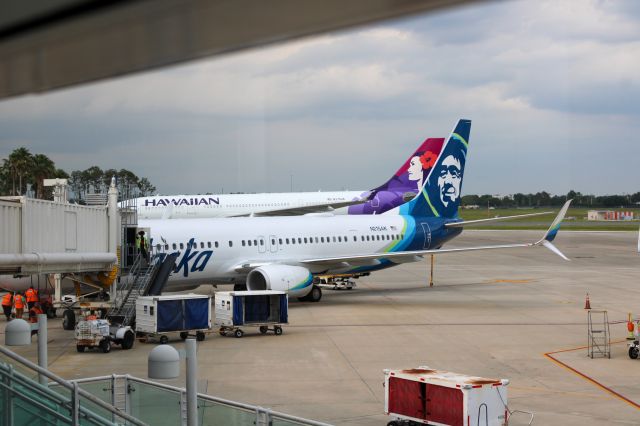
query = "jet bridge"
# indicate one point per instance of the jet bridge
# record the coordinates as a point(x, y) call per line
point(44, 237)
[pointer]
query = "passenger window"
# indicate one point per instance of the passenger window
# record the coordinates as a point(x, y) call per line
point(261, 242)
point(255, 242)
point(181, 246)
point(249, 243)
point(322, 239)
point(243, 243)
point(355, 238)
point(339, 239)
point(158, 247)
point(334, 239)
point(280, 240)
point(166, 246)
point(299, 240)
point(293, 241)
point(287, 241)
point(316, 240)
point(208, 244)
point(174, 246)
point(273, 241)
point(230, 243)
point(305, 240)
point(202, 244)
point(216, 244)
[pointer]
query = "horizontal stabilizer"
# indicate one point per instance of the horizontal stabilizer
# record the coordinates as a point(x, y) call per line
point(492, 219)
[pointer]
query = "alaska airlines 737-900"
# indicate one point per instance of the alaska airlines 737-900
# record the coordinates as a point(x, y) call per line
point(281, 253)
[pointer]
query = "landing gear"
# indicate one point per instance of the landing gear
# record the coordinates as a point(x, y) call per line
point(68, 320)
point(431, 274)
point(314, 295)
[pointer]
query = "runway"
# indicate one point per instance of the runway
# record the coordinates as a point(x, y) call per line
point(493, 314)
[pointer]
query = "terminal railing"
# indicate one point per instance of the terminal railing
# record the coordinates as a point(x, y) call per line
point(25, 401)
point(159, 403)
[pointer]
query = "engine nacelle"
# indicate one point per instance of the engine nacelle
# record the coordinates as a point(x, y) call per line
point(295, 280)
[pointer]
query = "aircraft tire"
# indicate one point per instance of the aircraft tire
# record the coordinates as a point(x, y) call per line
point(315, 294)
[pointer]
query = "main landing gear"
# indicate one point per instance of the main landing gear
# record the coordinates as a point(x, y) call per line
point(314, 295)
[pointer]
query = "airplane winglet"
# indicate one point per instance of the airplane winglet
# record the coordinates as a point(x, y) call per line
point(551, 233)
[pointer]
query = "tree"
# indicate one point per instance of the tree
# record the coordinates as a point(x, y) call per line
point(42, 168)
point(19, 163)
point(145, 187)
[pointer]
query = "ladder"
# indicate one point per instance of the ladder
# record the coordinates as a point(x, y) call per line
point(140, 277)
point(599, 340)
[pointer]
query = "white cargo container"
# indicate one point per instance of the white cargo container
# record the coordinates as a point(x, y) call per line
point(183, 313)
point(436, 397)
point(265, 309)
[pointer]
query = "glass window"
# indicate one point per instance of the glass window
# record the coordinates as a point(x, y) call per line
point(243, 243)
point(316, 239)
point(208, 244)
point(230, 243)
point(339, 239)
point(287, 241)
point(305, 240)
point(181, 246)
point(280, 240)
point(322, 239)
point(261, 242)
point(249, 243)
point(158, 247)
point(202, 244)
point(334, 239)
point(355, 238)
point(273, 241)
point(166, 246)
point(174, 246)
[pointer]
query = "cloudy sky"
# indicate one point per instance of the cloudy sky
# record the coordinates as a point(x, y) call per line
point(552, 87)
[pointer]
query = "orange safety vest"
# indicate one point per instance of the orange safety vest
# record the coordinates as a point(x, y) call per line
point(19, 302)
point(32, 295)
point(6, 299)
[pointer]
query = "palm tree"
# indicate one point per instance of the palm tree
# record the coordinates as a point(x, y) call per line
point(20, 161)
point(42, 168)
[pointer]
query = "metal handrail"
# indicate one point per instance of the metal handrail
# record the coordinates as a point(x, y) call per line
point(69, 385)
point(206, 397)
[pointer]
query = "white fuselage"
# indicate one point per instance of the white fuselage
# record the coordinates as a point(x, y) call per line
point(222, 246)
point(228, 205)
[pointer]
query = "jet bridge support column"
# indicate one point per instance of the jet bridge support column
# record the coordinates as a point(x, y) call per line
point(114, 228)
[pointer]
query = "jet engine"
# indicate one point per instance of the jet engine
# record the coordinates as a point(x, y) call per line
point(295, 280)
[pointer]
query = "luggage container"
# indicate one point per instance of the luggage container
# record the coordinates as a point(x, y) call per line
point(434, 397)
point(265, 309)
point(187, 314)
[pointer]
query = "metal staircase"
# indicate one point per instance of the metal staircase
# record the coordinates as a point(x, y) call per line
point(140, 278)
point(599, 343)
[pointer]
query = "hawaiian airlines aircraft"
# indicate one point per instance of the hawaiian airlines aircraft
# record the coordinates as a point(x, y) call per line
point(285, 253)
point(402, 186)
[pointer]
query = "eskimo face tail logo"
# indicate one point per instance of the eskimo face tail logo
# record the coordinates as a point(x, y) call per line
point(450, 180)
point(191, 260)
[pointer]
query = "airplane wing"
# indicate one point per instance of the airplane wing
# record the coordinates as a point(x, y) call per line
point(404, 256)
point(415, 255)
point(327, 207)
point(492, 219)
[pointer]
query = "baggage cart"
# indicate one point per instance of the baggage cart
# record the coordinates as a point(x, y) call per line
point(187, 314)
point(266, 309)
point(425, 396)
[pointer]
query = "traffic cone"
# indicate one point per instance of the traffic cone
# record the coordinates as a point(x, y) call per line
point(587, 304)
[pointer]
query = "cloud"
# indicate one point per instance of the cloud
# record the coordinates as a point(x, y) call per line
point(546, 83)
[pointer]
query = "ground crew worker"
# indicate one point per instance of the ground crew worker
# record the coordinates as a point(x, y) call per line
point(7, 305)
point(34, 311)
point(31, 296)
point(18, 301)
point(143, 245)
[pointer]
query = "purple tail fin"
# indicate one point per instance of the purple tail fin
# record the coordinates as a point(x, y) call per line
point(405, 182)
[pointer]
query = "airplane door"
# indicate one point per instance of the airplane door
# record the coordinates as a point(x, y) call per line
point(273, 244)
point(262, 244)
point(427, 235)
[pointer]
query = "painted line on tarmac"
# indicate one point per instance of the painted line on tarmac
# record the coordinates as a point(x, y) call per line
point(549, 355)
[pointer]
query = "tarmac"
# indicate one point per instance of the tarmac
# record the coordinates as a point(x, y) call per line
point(516, 314)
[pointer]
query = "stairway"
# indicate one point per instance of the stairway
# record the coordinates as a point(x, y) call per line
point(140, 277)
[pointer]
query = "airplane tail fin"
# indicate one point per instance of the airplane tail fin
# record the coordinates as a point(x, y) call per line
point(441, 188)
